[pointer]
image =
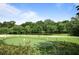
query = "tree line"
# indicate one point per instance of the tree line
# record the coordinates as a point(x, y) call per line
point(42, 27)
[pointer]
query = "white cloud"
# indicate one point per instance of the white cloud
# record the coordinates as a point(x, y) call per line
point(7, 10)
point(59, 5)
point(10, 13)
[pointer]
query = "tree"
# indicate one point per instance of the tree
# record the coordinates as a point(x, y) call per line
point(41, 26)
point(8, 24)
point(0, 24)
point(51, 29)
point(64, 24)
point(17, 30)
point(27, 23)
point(12, 23)
point(74, 29)
point(49, 22)
point(4, 30)
point(49, 26)
point(60, 27)
point(36, 29)
point(27, 29)
point(77, 7)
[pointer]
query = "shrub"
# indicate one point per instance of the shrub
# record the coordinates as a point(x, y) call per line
point(58, 48)
point(17, 50)
point(74, 30)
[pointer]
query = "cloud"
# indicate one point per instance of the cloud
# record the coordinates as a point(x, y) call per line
point(10, 13)
point(7, 10)
point(59, 5)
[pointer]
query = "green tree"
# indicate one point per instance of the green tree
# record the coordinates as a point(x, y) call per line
point(74, 26)
point(17, 30)
point(8, 24)
point(0, 24)
point(27, 23)
point(77, 7)
point(28, 29)
point(36, 29)
point(48, 26)
point(74, 29)
point(4, 30)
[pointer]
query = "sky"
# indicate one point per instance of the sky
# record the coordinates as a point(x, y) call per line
point(32, 12)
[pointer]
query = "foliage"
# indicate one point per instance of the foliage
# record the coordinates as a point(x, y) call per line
point(40, 27)
point(58, 48)
point(17, 30)
point(74, 26)
point(4, 30)
point(43, 48)
point(18, 50)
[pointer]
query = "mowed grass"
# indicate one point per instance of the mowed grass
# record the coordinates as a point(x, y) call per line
point(35, 39)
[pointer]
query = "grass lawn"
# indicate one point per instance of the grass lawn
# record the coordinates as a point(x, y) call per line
point(35, 39)
point(57, 44)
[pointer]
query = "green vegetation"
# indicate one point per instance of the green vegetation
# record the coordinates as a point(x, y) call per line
point(43, 27)
point(58, 48)
point(40, 27)
point(35, 39)
point(17, 50)
point(47, 38)
point(39, 44)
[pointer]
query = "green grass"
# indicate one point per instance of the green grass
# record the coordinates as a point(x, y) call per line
point(35, 39)
point(58, 44)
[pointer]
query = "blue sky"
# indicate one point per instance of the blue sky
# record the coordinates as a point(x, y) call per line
point(22, 12)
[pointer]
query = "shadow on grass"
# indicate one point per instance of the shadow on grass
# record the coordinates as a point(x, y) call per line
point(58, 48)
point(2, 42)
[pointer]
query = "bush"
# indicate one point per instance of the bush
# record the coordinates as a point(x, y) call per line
point(58, 48)
point(17, 30)
point(4, 30)
point(17, 50)
point(74, 30)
